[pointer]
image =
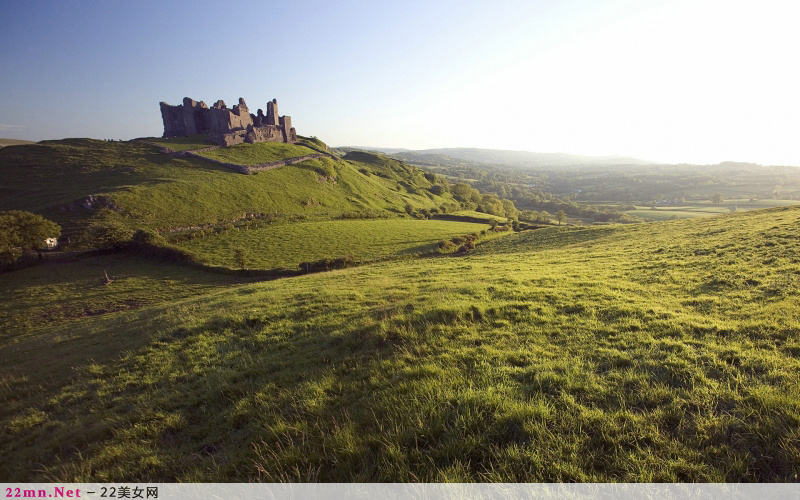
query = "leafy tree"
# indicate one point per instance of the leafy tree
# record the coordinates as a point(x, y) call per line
point(561, 216)
point(462, 191)
point(717, 198)
point(510, 210)
point(240, 256)
point(22, 231)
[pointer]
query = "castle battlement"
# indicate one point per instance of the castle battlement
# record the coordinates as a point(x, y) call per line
point(224, 126)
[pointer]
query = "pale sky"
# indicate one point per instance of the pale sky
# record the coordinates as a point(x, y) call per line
point(699, 81)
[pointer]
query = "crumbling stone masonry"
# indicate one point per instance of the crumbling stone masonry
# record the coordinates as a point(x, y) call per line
point(224, 126)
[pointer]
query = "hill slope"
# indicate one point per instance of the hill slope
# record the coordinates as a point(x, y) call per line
point(654, 352)
point(149, 189)
point(13, 142)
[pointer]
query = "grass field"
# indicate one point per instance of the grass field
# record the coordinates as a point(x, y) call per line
point(261, 152)
point(649, 352)
point(186, 143)
point(56, 294)
point(705, 209)
point(155, 191)
point(287, 245)
point(13, 142)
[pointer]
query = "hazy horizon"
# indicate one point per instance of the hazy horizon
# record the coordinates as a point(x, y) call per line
point(671, 81)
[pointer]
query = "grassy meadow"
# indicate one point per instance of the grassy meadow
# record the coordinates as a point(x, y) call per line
point(13, 142)
point(287, 245)
point(152, 190)
point(705, 209)
point(186, 143)
point(261, 152)
point(649, 352)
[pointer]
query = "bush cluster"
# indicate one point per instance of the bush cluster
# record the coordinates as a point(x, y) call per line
point(459, 244)
point(328, 264)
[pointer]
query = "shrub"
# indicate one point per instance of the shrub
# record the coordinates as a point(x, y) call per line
point(22, 231)
point(328, 264)
point(108, 232)
point(466, 247)
point(240, 257)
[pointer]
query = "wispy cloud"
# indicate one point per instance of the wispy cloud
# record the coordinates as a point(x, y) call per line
point(6, 126)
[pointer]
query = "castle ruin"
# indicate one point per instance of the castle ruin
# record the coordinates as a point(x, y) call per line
point(224, 126)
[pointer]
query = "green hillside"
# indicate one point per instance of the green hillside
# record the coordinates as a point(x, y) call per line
point(288, 245)
point(152, 190)
point(13, 142)
point(652, 352)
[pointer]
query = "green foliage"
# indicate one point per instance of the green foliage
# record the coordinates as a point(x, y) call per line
point(328, 264)
point(463, 192)
point(240, 257)
point(561, 216)
point(717, 198)
point(22, 231)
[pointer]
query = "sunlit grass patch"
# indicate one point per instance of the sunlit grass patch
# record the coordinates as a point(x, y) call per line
point(654, 353)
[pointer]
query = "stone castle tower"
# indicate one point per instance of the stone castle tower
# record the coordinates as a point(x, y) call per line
point(224, 126)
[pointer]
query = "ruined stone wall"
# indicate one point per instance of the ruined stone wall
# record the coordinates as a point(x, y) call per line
point(224, 126)
point(272, 112)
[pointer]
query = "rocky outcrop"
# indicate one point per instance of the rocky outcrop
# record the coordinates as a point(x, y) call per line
point(224, 126)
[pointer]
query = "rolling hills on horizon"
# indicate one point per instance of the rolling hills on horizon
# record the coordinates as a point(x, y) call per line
point(525, 159)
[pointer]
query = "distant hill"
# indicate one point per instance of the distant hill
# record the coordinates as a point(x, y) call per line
point(13, 142)
point(69, 180)
point(525, 159)
point(389, 151)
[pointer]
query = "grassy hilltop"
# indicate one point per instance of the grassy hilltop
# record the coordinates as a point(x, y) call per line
point(152, 190)
point(654, 352)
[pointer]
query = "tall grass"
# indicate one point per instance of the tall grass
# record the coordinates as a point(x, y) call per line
point(657, 352)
